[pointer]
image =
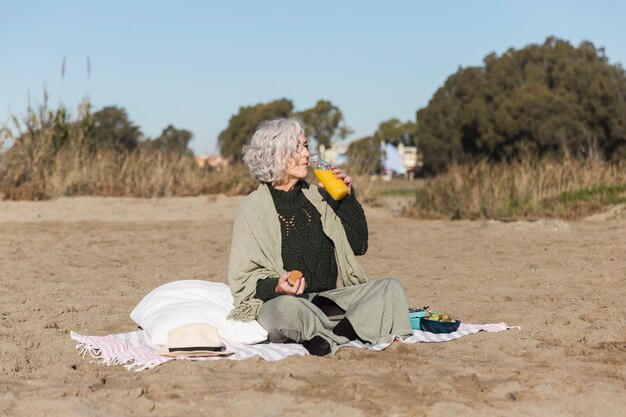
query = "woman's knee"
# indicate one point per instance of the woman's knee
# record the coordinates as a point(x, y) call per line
point(275, 312)
point(392, 284)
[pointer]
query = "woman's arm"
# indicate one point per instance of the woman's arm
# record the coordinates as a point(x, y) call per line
point(351, 214)
point(354, 222)
point(265, 289)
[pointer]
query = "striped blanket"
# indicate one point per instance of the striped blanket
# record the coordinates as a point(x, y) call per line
point(133, 350)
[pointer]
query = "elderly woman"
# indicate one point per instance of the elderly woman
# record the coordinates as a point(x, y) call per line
point(288, 224)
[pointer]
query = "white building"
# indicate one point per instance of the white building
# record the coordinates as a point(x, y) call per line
point(411, 159)
point(336, 154)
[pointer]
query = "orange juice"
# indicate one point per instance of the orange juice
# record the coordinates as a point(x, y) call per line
point(335, 187)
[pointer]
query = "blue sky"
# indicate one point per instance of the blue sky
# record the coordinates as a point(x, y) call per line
point(194, 63)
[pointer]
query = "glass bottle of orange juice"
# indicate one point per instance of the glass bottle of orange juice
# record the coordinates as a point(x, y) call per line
point(333, 185)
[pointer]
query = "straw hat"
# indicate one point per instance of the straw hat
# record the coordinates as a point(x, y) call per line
point(195, 339)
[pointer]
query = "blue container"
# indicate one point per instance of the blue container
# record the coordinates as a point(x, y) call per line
point(414, 318)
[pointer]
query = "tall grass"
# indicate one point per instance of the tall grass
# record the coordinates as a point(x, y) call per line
point(570, 188)
point(46, 155)
point(138, 174)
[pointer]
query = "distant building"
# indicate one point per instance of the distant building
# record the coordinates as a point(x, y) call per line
point(214, 161)
point(336, 154)
point(411, 159)
point(400, 160)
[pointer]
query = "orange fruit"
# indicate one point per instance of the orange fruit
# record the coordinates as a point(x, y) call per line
point(294, 276)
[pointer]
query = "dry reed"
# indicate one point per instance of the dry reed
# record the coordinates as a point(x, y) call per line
point(138, 174)
point(570, 188)
point(50, 157)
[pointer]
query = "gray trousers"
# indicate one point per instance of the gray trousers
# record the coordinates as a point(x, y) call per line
point(377, 311)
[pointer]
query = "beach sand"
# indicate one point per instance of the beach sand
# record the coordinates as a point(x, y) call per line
point(82, 264)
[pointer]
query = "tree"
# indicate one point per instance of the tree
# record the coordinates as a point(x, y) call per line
point(365, 155)
point(395, 132)
point(113, 130)
point(547, 99)
point(173, 140)
point(241, 126)
point(324, 122)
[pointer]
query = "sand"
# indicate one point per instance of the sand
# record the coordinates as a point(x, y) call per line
point(82, 264)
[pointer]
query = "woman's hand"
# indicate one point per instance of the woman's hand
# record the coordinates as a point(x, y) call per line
point(342, 176)
point(285, 288)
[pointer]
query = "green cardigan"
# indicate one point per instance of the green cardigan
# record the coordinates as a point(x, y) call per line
point(255, 251)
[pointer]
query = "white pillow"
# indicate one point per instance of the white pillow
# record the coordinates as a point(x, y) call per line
point(183, 302)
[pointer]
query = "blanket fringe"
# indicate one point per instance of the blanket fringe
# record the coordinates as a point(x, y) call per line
point(138, 367)
point(84, 348)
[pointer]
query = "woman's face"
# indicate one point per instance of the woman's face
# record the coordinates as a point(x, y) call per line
point(297, 169)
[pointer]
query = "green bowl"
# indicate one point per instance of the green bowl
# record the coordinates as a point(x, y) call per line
point(434, 326)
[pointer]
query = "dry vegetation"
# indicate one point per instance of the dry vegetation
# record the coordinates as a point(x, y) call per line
point(570, 188)
point(50, 157)
point(567, 189)
point(140, 174)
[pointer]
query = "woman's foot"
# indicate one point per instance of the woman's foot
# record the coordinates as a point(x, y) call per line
point(317, 346)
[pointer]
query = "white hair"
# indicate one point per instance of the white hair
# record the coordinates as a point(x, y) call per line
point(272, 147)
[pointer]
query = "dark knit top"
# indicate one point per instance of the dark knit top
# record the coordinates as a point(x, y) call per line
point(305, 247)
